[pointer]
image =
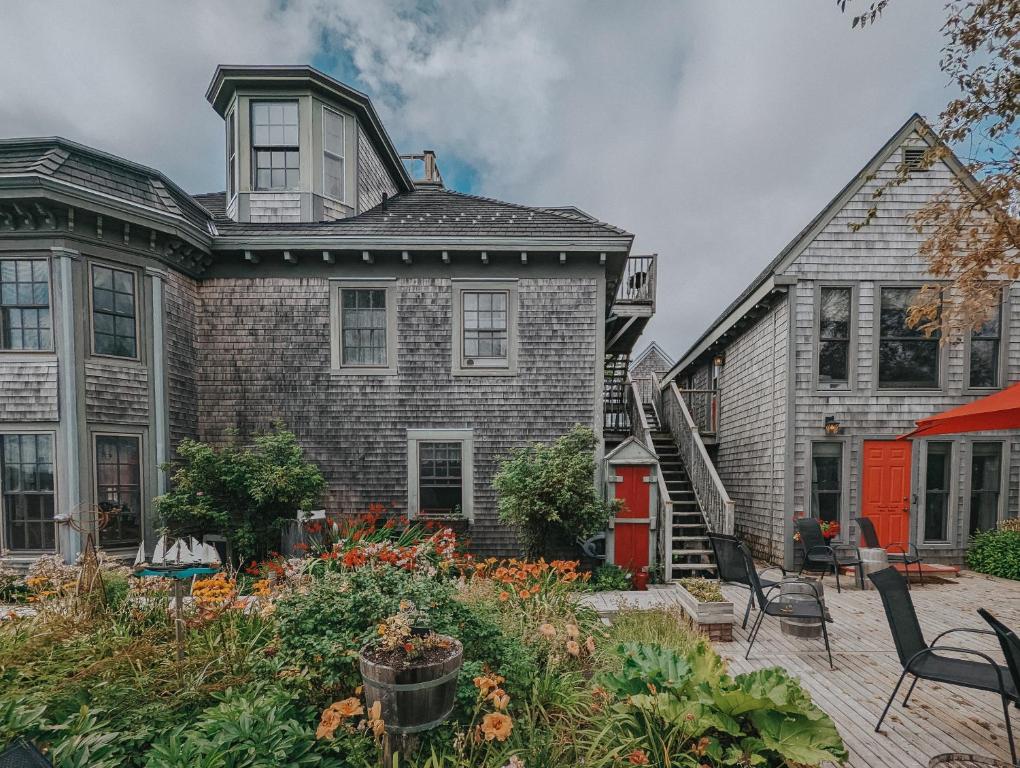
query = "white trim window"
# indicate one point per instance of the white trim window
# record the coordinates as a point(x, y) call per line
point(985, 486)
point(119, 487)
point(484, 327)
point(231, 155)
point(275, 146)
point(835, 316)
point(363, 336)
point(938, 492)
point(25, 323)
point(114, 315)
point(985, 346)
point(27, 492)
point(440, 473)
point(827, 481)
point(333, 154)
point(907, 358)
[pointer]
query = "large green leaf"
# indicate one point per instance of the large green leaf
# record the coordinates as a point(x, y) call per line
point(648, 668)
point(799, 739)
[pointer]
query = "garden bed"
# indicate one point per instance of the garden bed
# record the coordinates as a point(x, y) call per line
point(711, 617)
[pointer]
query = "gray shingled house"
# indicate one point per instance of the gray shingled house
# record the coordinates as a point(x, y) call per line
point(799, 388)
point(410, 335)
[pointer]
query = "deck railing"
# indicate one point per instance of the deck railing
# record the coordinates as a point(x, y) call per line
point(715, 503)
point(704, 408)
point(638, 283)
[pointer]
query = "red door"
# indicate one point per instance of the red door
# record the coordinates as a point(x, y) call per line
point(631, 539)
point(885, 491)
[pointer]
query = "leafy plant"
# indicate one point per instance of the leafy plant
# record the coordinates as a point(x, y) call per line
point(683, 708)
point(243, 493)
point(609, 578)
point(996, 553)
point(548, 492)
point(703, 590)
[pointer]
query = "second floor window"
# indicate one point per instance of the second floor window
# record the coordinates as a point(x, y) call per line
point(363, 326)
point(231, 158)
point(25, 305)
point(984, 354)
point(834, 337)
point(113, 312)
point(274, 131)
point(485, 327)
point(907, 359)
point(332, 154)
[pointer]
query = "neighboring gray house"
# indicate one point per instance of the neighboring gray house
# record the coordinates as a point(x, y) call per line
point(820, 336)
point(410, 335)
point(652, 359)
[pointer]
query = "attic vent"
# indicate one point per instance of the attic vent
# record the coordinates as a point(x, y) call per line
point(913, 158)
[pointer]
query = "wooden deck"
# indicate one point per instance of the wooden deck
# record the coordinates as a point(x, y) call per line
point(939, 719)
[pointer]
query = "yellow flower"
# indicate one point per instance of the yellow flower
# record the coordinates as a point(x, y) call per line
point(496, 725)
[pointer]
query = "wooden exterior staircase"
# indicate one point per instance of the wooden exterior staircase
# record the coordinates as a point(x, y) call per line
point(691, 553)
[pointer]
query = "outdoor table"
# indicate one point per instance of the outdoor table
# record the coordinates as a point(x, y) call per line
point(796, 590)
point(179, 575)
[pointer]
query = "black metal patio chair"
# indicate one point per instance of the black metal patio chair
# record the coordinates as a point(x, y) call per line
point(907, 554)
point(23, 754)
point(785, 607)
point(927, 662)
point(820, 557)
point(731, 557)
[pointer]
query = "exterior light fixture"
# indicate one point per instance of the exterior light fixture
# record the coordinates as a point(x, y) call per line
point(718, 360)
point(831, 426)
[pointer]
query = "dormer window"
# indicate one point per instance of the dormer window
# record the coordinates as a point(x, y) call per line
point(274, 130)
point(333, 154)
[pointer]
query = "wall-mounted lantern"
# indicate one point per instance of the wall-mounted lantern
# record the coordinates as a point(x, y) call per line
point(831, 426)
point(718, 360)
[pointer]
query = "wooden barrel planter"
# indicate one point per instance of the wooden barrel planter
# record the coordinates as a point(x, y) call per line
point(416, 697)
point(802, 590)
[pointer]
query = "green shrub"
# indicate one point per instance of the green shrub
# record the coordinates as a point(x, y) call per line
point(548, 492)
point(703, 590)
point(239, 492)
point(679, 706)
point(609, 578)
point(996, 553)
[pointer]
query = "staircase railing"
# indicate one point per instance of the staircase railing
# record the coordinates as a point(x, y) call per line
point(715, 503)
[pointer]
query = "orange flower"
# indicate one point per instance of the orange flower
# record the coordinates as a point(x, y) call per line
point(589, 644)
point(499, 698)
point(328, 724)
point(638, 757)
point(572, 631)
point(487, 683)
point(504, 596)
point(375, 721)
point(496, 725)
point(348, 707)
point(547, 631)
point(573, 648)
point(524, 594)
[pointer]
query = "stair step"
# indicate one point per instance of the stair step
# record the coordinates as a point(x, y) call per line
point(689, 525)
point(691, 552)
point(694, 566)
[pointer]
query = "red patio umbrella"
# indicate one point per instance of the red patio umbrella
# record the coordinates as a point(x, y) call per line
point(1000, 410)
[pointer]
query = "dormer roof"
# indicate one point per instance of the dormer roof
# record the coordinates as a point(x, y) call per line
point(229, 77)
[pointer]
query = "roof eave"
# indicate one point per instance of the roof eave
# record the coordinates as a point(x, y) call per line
point(399, 242)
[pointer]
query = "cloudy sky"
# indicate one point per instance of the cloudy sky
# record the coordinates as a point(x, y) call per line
point(712, 130)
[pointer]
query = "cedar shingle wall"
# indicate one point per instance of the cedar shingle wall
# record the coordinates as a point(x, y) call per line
point(752, 431)
point(264, 355)
point(373, 179)
point(28, 391)
point(181, 305)
point(116, 393)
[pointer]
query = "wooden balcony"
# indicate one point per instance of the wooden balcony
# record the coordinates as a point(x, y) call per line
point(633, 304)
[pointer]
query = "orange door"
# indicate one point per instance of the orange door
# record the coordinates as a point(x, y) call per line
point(885, 491)
point(632, 538)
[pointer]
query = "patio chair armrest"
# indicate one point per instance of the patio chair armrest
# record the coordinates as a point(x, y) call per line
point(953, 649)
point(794, 580)
point(779, 568)
point(904, 549)
point(821, 549)
point(963, 629)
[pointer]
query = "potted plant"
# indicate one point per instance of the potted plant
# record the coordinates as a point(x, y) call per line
point(411, 672)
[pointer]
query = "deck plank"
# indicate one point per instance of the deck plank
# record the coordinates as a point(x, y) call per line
point(939, 719)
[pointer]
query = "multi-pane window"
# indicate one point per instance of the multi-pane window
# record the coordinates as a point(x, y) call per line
point(119, 488)
point(231, 157)
point(363, 326)
point(485, 326)
point(826, 481)
point(907, 358)
point(440, 478)
point(937, 492)
point(332, 154)
point(274, 131)
point(113, 312)
point(25, 305)
point(984, 354)
point(834, 337)
point(985, 486)
point(26, 485)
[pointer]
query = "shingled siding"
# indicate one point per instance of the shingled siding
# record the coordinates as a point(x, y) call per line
point(116, 393)
point(264, 355)
point(752, 431)
point(373, 179)
point(884, 253)
point(181, 308)
point(28, 391)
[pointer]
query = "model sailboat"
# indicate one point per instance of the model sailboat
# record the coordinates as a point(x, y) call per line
point(180, 554)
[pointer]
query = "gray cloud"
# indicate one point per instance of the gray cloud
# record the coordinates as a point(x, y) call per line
point(713, 131)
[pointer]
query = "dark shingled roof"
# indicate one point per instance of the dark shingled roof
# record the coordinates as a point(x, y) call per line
point(430, 212)
point(83, 166)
